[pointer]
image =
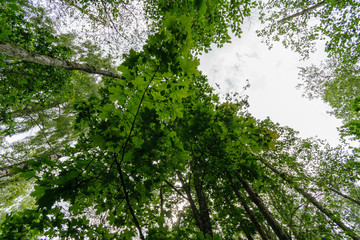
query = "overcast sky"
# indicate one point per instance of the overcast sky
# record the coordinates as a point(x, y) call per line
point(273, 75)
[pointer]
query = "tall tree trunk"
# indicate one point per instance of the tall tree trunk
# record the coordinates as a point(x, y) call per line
point(28, 56)
point(311, 199)
point(279, 231)
point(309, 9)
point(242, 226)
point(343, 195)
point(6, 170)
point(203, 207)
point(194, 209)
point(250, 213)
point(331, 188)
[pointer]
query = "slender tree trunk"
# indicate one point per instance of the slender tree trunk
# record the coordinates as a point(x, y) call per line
point(311, 199)
point(6, 170)
point(127, 199)
point(204, 210)
point(249, 212)
point(242, 226)
point(28, 56)
point(312, 8)
point(194, 209)
point(333, 189)
point(279, 231)
point(344, 195)
point(161, 202)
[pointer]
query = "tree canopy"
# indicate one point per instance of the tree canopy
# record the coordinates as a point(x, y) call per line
point(145, 148)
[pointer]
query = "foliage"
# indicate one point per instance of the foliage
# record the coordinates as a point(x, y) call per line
point(300, 24)
point(339, 87)
point(156, 155)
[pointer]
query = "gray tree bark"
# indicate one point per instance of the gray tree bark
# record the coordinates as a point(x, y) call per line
point(312, 8)
point(249, 211)
point(28, 56)
point(6, 170)
point(275, 225)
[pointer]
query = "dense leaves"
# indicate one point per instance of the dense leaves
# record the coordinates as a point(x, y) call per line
point(155, 154)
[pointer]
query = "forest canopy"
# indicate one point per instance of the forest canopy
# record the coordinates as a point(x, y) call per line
point(121, 136)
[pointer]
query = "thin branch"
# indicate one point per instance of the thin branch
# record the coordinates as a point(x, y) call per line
point(86, 12)
point(127, 198)
point(176, 190)
point(123, 147)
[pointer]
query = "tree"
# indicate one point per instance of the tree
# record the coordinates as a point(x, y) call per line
point(154, 153)
point(300, 24)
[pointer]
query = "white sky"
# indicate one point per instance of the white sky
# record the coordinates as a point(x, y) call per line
point(273, 75)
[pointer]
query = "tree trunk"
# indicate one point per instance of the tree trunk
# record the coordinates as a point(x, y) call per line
point(344, 195)
point(242, 226)
point(311, 199)
point(249, 212)
point(25, 55)
point(279, 231)
point(6, 170)
point(312, 8)
point(203, 207)
point(191, 201)
point(127, 199)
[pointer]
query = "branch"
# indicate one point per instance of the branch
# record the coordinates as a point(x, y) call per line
point(176, 190)
point(312, 8)
point(28, 56)
point(5, 171)
point(86, 12)
point(127, 198)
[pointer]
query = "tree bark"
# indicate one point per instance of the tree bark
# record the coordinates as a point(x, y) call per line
point(344, 195)
point(191, 201)
point(311, 199)
point(6, 170)
point(279, 231)
point(312, 8)
point(249, 212)
point(28, 56)
point(235, 212)
point(203, 207)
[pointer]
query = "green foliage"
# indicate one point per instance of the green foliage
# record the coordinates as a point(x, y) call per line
point(335, 21)
point(156, 155)
point(299, 25)
point(211, 19)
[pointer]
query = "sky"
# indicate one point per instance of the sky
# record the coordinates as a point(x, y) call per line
point(273, 76)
